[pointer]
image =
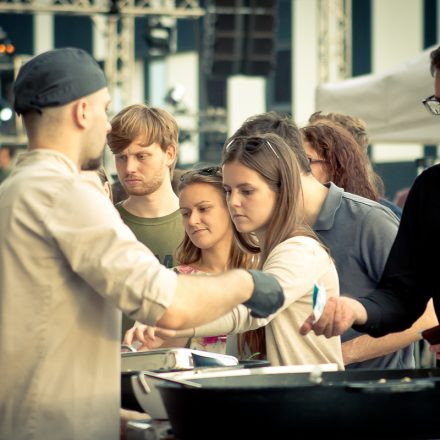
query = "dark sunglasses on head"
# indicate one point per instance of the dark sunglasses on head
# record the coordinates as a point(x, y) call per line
point(209, 171)
point(206, 171)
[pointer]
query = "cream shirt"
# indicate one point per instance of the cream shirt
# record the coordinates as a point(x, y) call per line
point(67, 264)
point(296, 263)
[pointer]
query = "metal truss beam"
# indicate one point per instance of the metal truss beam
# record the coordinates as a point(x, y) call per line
point(134, 8)
point(335, 62)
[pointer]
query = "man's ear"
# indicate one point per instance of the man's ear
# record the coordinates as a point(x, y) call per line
point(171, 153)
point(80, 113)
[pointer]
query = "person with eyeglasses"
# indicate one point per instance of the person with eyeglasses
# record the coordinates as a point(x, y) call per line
point(208, 247)
point(357, 128)
point(334, 156)
point(261, 177)
point(410, 276)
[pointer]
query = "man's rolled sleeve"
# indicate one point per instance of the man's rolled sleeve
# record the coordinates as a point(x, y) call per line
point(103, 251)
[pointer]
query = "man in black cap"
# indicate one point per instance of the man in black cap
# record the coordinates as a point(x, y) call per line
point(67, 262)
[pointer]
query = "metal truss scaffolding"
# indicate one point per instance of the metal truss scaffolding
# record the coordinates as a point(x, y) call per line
point(120, 15)
point(334, 40)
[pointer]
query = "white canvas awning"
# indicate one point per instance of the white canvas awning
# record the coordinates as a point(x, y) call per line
point(390, 103)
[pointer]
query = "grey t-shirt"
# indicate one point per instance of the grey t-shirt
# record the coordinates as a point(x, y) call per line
point(359, 234)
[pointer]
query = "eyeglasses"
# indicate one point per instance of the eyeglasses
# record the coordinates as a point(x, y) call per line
point(207, 171)
point(252, 144)
point(432, 104)
point(313, 161)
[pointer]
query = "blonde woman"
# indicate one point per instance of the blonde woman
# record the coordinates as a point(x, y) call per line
point(208, 246)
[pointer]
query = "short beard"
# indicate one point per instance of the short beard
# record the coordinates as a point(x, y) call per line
point(149, 188)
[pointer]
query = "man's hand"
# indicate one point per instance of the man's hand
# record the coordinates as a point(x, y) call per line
point(338, 316)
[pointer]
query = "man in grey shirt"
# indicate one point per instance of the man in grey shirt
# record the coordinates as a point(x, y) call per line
point(359, 233)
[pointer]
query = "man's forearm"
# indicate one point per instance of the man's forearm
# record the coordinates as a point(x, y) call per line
point(201, 299)
point(366, 347)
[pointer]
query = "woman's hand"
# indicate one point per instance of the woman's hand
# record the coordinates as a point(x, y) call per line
point(145, 335)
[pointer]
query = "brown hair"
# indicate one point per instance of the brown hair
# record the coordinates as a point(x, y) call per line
point(138, 120)
point(282, 125)
point(435, 60)
point(175, 179)
point(275, 162)
point(355, 126)
point(358, 129)
point(346, 163)
point(187, 252)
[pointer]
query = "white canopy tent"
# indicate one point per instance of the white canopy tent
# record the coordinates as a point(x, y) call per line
point(390, 103)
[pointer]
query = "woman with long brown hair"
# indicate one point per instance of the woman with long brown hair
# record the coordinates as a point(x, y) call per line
point(335, 156)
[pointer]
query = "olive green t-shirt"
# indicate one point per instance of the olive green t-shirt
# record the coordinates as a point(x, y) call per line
point(161, 235)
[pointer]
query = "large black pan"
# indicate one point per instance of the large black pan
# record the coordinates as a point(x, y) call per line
point(376, 404)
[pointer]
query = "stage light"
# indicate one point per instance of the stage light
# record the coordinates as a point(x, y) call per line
point(175, 95)
point(10, 49)
point(6, 114)
point(6, 47)
point(160, 36)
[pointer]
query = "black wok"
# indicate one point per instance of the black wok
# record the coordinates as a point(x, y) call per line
point(376, 404)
